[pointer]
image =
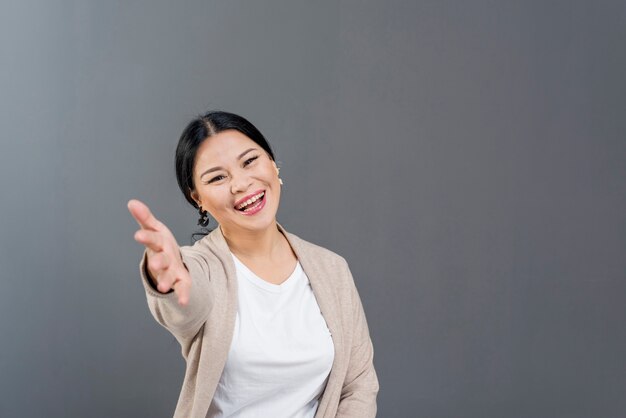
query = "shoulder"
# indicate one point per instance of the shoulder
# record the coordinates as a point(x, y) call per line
point(197, 249)
point(325, 265)
point(204, 252)
point(322, 256)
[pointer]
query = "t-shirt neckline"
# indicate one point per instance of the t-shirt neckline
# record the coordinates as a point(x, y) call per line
point(264, 284)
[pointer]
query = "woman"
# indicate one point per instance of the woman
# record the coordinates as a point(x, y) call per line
point(270, 325)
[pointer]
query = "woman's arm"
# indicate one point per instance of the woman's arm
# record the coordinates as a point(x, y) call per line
point(165, 267)
point(360, 387)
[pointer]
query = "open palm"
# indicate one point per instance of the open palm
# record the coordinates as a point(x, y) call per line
point(164, 262)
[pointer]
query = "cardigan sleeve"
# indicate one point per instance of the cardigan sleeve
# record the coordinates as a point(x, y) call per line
point(360, 387)
point(183, 322)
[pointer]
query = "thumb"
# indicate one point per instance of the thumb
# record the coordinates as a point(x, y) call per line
point(143, 215)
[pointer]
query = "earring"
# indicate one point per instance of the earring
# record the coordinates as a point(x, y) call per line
point(204, 221)
point(277, 173)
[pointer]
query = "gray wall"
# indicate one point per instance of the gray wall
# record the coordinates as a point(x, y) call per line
point(466, 158)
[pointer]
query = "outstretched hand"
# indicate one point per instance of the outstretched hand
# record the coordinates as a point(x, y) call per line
point(164, 263)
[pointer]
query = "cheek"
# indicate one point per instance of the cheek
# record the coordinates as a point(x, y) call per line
point(269, 171)
point(208, 197)
point(221, 199)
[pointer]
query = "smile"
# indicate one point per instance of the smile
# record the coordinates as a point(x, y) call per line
point(253, 204)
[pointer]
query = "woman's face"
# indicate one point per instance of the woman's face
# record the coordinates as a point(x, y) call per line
point(231, 168)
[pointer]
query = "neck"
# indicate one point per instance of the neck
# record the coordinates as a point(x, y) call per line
point(261, 244)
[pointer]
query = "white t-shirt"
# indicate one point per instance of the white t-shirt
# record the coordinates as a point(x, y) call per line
point(281, 353)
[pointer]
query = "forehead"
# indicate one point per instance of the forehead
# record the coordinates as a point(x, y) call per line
point(223, 148)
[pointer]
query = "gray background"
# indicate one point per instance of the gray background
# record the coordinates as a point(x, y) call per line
point(466, 158)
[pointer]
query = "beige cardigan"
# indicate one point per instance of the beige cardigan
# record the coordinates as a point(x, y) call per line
point(204, 328)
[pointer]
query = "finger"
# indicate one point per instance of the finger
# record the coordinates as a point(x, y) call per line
point(151, 239)
point(165, 280)
point(158, 262)
point(143, 215)
point(183, 289)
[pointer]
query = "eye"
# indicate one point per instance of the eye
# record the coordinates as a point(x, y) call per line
point(214, 179)
point(249, 161)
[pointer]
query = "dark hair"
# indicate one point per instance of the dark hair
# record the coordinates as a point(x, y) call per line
point(196, 132)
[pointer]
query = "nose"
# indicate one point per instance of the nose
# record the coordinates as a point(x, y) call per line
point(240, 183)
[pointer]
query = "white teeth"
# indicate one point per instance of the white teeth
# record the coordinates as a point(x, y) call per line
point(251, 200)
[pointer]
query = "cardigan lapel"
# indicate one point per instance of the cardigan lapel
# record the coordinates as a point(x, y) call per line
point(326, 296)
point(226, 291)
point(320, 283)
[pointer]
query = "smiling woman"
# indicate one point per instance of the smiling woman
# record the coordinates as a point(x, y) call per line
point(269, 324)
point(226, 178)
point(216, 149)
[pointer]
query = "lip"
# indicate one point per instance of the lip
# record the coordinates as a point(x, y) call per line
point(243, 199)
point(256, 210)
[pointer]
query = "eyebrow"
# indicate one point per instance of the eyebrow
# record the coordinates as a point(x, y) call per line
point(220, 168)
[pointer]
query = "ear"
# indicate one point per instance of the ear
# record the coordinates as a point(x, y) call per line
point(195, 197)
